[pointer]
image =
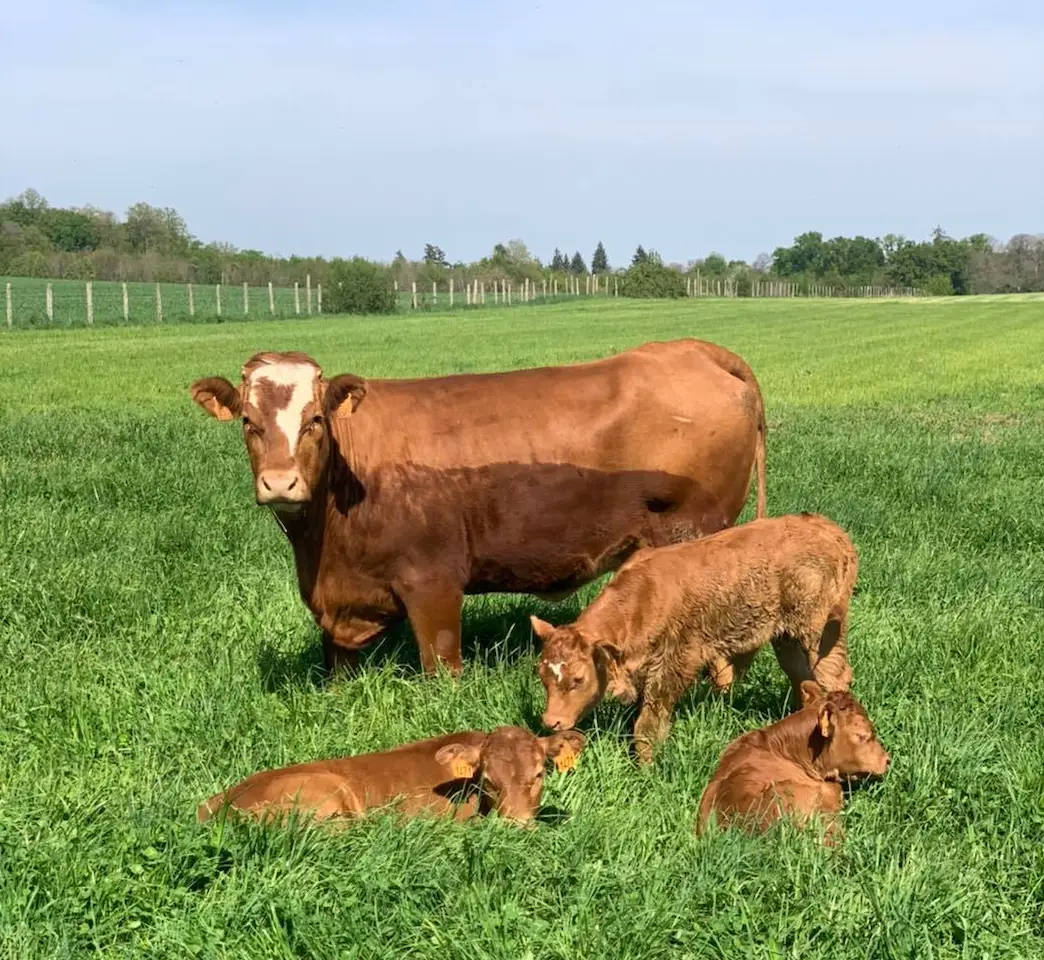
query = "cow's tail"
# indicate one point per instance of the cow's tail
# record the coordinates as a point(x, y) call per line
point(759, 457)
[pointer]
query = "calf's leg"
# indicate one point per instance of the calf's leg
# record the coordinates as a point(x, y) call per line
point(793, 658)
point(832, 670)
point(723, 672)
point(659, 697)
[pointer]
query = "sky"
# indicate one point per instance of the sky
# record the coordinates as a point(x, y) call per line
point(336, 129)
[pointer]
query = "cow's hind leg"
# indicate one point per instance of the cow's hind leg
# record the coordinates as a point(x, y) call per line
point(434, 615)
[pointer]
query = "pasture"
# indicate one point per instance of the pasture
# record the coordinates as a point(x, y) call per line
point(155, 650)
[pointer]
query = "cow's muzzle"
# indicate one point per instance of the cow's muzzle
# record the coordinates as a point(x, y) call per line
point(275, 487)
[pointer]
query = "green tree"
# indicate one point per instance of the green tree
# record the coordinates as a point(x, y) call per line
point(359, 286)
point(577, 267)
point(70, 230)
point(599, 262)
point(640, 256)
point(558, 262)
point(650, 278)
point(433, 256)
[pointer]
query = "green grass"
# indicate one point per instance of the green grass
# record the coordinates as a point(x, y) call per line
point(155, 650)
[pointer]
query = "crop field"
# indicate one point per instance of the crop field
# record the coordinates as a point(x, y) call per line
point(155, 650)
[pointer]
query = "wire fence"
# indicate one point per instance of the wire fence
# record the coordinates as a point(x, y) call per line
point(31, 302)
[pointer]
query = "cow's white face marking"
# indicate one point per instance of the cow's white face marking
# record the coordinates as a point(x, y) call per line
point(556, 669)
point(300, 377)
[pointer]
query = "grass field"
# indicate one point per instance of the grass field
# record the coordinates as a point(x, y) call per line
point(155, 650)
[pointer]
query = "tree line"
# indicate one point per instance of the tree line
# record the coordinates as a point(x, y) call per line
point(154, 244)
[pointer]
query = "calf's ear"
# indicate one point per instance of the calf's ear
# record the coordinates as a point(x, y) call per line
point(563, 748)
point(541, 628)
point(827, 720)
point(810, 692)
point(343, 394)
point(218, 397)
point(462, 760)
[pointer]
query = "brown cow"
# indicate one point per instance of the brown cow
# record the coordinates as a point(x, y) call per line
point(401, 496)
point(794, 767)
point(710, 604)
point(457, 774)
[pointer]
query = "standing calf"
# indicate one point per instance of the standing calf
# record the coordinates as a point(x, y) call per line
point(502, 770)
point(794, 767)
point(710, 604)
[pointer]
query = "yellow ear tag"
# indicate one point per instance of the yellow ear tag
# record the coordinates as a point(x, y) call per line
point(461, 768)
point(565, 760)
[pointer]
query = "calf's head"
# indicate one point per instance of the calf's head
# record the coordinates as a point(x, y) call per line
point(285, 405)
point(511, 762)
point(843, 742)
point(574, 672)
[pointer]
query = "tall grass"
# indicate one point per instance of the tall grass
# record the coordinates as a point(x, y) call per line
point(155, 650)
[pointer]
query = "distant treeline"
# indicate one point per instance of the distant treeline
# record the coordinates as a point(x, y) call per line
point(151, 244)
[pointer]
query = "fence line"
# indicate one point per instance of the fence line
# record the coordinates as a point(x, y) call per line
point(71, 302)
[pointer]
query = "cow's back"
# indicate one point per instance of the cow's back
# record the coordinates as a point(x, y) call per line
point(656, 407)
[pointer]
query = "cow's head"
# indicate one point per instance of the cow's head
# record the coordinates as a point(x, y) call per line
point(285, 405)
point(843, 742)
point(511, 763)
point(574, 672)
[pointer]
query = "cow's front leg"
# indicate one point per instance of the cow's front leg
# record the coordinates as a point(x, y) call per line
point(433, 610)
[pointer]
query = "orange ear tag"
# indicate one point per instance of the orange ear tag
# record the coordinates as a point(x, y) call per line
point(565, 760)
point(461, 768)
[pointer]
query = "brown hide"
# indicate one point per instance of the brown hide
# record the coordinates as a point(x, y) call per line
point(456, 774)
point(532, 480)
point(793, 767)
point(710, 604)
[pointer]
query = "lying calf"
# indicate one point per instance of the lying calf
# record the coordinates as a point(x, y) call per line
point(793, 767)
point(709, 604)
point(502, 770)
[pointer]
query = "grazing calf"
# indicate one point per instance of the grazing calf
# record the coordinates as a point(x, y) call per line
point(456, 774)
point(793, 767)
point(676, 611)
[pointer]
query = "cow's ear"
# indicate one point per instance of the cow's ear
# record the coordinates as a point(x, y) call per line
point(462, 760)
point(343, 394)
point(218, 397)
point(563, 748)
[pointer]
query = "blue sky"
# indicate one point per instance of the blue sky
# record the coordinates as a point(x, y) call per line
point(340, 128)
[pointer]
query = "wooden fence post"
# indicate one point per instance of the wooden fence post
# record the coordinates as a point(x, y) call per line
point(192, 301)
point(159, 305)
point(126, 303)
point(90, 304)
point(49, 303)
point(508, 285)
point(308, 293)
point(319, 297)
point(434, 293)
point(271, 299)
point(414, 294)
point(10, 310)
point(616, 287)
point(217, 297)
point(297, 298)
point(467, 294)
point(543, 288)
point(246, 298)
point(451, 293)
